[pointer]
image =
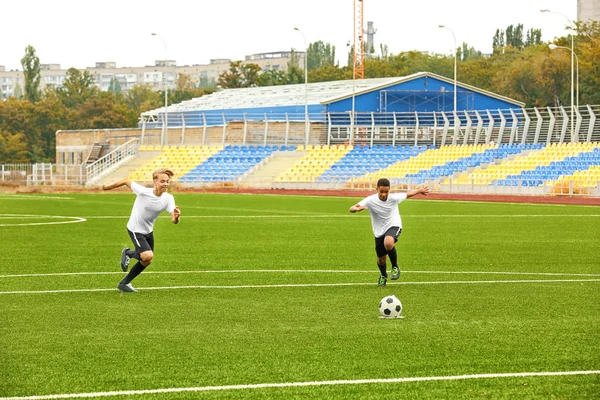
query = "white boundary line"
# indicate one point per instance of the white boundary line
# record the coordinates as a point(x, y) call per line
point(296, 285)
point(73, 220)
point(300, 271)
point(304, 384)
point(359, 216)
point(33, 197)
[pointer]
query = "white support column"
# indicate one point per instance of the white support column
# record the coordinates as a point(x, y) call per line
point(538, 125)
point(479, 127)
point(416, 128)
point(525, 127)
point(143, 130)
point(203, 129)
point(456, 128)
point(328, 129)
point(563, 131)
point(395, 132)
point(502, 126)
point(446, 126)
point(591, 127)
point(577, 124)
point(224, 130)
point(550, 126)
point(435, 128)
point(490, 129)
point(182, 129)
point(245, 134)
point(468, 127)
point(372, 127)
point(513, 128)
point(287, 128)
point(266, 129)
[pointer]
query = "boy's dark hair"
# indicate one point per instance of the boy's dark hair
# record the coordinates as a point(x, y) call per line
point(383, 182)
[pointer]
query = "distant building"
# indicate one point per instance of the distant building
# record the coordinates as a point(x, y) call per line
point(203, 75)
point(588, 10)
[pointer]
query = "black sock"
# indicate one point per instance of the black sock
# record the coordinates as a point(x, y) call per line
point(393, 257)
point(133, 272)
point(382, 269)
point(132, 254)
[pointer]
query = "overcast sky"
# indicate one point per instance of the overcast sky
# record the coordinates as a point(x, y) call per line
point(75, 33)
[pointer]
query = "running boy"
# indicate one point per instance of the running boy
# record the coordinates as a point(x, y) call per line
point(149, 203)
point(386, 223)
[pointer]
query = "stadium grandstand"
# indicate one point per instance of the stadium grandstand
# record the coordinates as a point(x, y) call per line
point(404, 128)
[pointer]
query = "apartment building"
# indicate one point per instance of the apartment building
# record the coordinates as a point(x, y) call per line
point(156, 76)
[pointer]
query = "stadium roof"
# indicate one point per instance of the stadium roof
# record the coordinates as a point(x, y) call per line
point(316, 93)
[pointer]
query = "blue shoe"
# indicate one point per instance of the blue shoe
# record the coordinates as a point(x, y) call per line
point(125, 259)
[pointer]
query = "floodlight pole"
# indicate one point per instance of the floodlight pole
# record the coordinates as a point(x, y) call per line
point(306, 121)
point(454, 37)
point(572, 72)
point(552, 46)
point(165, 133)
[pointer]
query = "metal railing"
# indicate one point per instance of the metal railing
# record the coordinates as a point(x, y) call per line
point(527, 125)
point(112, 160)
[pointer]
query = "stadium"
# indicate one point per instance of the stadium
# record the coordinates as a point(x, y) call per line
point(403, 128)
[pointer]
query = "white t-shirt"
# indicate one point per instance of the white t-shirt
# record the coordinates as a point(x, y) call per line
point(384, 214)
point(147, 207)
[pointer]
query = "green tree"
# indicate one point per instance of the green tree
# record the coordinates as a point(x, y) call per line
point(17, 92)
point(31, 72)
point(77, 88)
point(533, 37)
point(142, 98)
point(114, 86)
point(13, 148)
point(272, 77)
point(498, 41)
point(466, 52)
point(239, 75)
point(514, 36)
point(319, 54)
point(102, 112)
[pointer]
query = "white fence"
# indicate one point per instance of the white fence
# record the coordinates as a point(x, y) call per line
point(528, 125)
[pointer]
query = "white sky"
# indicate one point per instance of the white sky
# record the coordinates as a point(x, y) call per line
point(76, 33)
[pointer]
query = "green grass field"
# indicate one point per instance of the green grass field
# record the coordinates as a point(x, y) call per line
point(256, 296)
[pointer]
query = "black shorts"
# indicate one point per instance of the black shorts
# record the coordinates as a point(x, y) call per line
point(394, 232)
point(142, 242)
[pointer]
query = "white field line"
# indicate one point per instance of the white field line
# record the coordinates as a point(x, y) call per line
point(359, 216)
point(70, 220)
point(298, 285)
point(75, 219)
point(32, 197)
point(305, 384)
point(293, 271)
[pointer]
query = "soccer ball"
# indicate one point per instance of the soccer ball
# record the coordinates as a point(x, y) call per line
point(390, 306)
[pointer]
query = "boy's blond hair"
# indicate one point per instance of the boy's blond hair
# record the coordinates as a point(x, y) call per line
point(159, 171)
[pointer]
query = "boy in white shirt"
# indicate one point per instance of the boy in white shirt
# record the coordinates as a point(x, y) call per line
point(386, 223)
point(148, 205)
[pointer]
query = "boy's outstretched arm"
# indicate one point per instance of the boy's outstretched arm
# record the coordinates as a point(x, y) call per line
point(357, 208)
point(122, 182)
point(424, 190)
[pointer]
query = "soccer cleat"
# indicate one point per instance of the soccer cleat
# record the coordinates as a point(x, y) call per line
point(395, 273)
point(125, 259)
point(382, 280)
point(126, 287)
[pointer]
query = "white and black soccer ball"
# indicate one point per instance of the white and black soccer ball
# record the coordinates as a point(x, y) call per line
point(390, 306)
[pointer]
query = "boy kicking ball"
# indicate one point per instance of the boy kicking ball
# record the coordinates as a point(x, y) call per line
point(386, 223)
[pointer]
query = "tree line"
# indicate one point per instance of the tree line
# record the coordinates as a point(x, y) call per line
point(520, 67)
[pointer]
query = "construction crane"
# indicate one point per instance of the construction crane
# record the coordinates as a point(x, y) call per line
point(359, 45)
